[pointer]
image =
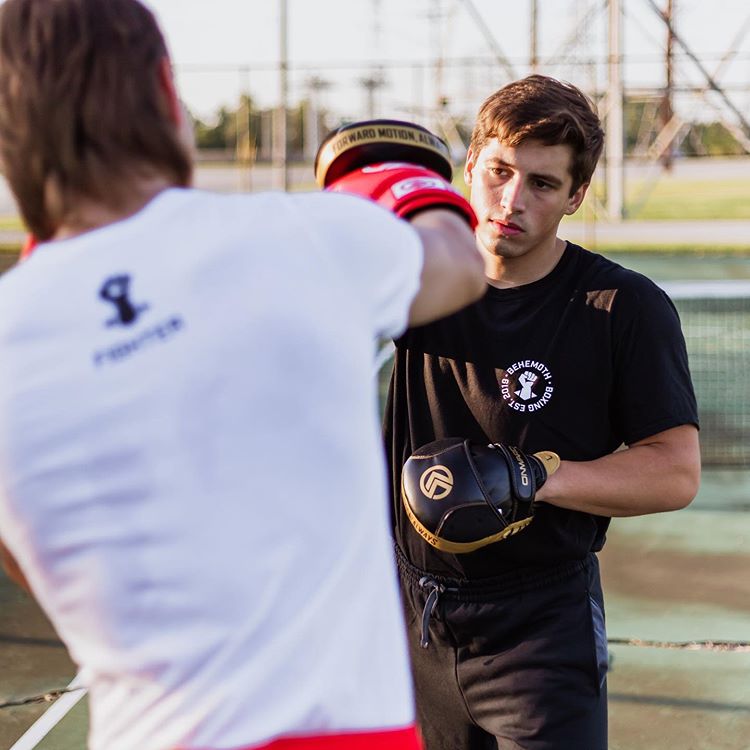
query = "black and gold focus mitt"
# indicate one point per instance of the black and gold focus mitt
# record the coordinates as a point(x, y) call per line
point(461, 495)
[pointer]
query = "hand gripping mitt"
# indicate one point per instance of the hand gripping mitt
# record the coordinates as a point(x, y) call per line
point(461, 496)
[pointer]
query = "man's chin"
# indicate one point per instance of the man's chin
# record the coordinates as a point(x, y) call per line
point(504, 247)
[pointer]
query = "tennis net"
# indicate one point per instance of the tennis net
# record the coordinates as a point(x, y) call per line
point(715, 319)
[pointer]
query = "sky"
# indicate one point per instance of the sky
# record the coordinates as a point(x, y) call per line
point(222, 47)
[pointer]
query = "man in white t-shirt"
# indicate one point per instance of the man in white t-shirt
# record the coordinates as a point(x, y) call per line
point(191, 472)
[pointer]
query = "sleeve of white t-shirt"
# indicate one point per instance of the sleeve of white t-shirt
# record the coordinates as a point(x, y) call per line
point(378, 255)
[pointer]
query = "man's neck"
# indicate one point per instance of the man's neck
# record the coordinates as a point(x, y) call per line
point(89, 214)
point(505, 272)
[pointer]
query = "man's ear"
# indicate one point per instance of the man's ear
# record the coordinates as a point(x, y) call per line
point(469, 167)
point(575, 200)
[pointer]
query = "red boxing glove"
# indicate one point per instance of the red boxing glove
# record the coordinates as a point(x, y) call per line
point(404, 189)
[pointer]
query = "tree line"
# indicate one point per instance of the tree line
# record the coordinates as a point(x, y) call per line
point(245, 132)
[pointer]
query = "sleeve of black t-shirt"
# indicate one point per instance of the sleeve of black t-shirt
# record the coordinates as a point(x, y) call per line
point(653, 390)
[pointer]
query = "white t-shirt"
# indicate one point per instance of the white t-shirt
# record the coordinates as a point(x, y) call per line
point(191, 469)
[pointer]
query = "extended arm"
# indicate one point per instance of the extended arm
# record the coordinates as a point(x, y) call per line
point(452, 270)
point(406, 169)
point(659, 473)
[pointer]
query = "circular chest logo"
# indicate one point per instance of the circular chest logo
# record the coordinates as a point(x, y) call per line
point(437, 482)
point(526, 386)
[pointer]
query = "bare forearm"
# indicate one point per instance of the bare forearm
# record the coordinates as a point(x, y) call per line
point(453, 270)
point(649, 477)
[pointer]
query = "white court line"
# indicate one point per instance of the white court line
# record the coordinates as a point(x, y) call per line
point(52, 716)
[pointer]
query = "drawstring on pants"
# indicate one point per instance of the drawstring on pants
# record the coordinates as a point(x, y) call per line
point(425, 582)
point(455, 590)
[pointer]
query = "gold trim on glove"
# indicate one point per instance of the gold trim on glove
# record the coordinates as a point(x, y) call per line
point(550, 461)
point(461, 547)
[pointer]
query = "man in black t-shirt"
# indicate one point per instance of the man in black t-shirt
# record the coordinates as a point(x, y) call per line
point(567, 352)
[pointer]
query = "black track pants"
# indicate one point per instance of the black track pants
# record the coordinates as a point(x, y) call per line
point(517, 663)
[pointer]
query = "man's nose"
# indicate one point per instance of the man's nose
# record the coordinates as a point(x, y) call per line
point(512, 198)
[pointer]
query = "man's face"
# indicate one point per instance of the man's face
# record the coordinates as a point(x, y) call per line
point(520, 195)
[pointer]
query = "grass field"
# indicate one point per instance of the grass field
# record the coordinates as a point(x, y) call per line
point(673, 199)
point(682, 200)
point(669, 197)
point(676, 199)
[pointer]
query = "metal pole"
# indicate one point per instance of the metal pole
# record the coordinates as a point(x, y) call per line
point(712, 83)
point(534, 44)
point(279, 145)
point(437, 33)
point(666, 103)
point(615, 133)
point(245, 147)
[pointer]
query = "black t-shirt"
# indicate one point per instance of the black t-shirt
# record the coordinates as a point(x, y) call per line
point(585, 359)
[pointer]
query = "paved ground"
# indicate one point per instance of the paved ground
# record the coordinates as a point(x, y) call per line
point(680, 577)
point(629, 234)
point(674, 577)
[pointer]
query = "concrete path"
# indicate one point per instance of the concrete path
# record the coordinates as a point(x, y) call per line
point(631, 233)
point(626, 234)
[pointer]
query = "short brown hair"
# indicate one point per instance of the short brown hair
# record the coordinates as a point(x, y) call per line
point(81, 108)
point(544, 109)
